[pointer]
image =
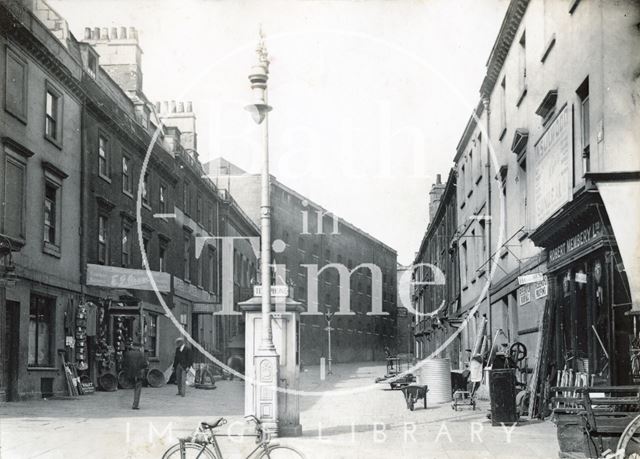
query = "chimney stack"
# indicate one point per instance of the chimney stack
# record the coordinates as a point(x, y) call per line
point(180, 115)
point(120, 55)
point(435, 195)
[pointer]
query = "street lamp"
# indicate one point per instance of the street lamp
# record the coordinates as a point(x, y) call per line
point(266, 357)
point(328, 315)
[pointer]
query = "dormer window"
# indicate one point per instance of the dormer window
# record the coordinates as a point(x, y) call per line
point(92, 65)
point(547, 106)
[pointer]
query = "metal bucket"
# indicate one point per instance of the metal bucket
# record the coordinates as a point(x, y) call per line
point(155, 378)
point(436, 374)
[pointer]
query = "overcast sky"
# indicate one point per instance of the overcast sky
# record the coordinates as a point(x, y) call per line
point(370, 97)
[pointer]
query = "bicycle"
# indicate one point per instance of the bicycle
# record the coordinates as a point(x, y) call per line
point(203, 441)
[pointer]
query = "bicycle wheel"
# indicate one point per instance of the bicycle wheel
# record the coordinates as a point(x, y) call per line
point(191, 451)
point(281, 452)
point(629, 443)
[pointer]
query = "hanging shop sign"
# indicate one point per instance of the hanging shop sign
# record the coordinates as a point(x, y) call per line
point(553, 168)
point(540, 289)
point(125, 278)
point(524, 295)
point(581, 278)
point(530, 278)
point(572, 244)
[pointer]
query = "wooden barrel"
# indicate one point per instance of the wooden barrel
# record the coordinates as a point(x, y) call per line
point(155, 378)
point(108, 382)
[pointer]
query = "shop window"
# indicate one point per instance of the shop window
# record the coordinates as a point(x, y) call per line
point(151, 334)
point(41, 331)
point(53, 114)
point(103, 239)
point(15, 95)
point(127, 175)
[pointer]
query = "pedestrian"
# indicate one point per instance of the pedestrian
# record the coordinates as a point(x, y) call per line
point(182, 362)
point(135, 367)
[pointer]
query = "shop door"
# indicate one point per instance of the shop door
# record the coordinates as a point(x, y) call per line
point(11, 351)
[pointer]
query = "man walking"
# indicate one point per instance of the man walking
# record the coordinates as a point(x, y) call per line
point(135, 367)
point(182, 361)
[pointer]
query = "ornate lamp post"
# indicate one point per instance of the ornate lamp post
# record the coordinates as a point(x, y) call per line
point(266, 357)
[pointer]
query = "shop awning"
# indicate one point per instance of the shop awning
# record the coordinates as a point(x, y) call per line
point(620, 192)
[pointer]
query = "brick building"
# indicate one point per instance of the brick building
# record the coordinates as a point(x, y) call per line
point(295, 221)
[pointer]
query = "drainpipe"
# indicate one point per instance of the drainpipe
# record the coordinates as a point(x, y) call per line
point(487, 108)
point(83, 192)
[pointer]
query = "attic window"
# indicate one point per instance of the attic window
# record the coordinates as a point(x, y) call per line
point(519, 144)
point(92, 64)
point(547, 106)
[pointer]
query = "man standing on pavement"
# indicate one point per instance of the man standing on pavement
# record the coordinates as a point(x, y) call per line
point(182, 361)
point(135, 367)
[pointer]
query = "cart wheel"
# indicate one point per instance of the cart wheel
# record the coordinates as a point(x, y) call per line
point(629, 441)
point(411, 404)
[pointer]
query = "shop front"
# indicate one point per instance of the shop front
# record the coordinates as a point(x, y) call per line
point(591, 331)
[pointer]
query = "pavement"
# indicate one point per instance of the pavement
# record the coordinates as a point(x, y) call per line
point(347, 416)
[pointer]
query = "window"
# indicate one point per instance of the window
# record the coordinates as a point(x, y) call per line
point(145, 189)
point(470, 174)
point(162, 199)
point(162, 261)
point(186, 199)
point(462, 182)
point(103, 239)
point(50, 213)
point(126, 245)
point(127, 176)
point(103, 157)
point(464, 261)
point(53, 112)
point(503, 107)
point(186, 259)
point(585, 131)
point(145, 244)
point(41, 331)
point(212, 270)
point(151, 334)
point(478, 148)
point(199, 270)
point(522, 66)
point(199, 209)
point(92, 64)
point(13, 222)
point(15, 96)
point(522, 184)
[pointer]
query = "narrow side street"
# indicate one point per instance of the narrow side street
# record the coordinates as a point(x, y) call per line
point(345, 426)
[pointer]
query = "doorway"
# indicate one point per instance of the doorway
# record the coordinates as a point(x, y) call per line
point(11, 360)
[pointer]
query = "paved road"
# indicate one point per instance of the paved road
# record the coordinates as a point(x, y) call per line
point(349, 418)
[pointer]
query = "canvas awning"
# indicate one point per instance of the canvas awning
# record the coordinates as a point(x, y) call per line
point(620, 192)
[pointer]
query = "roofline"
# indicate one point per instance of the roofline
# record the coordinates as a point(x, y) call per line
point(448, 189)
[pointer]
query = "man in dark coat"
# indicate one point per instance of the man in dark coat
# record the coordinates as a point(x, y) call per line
point(182, 361)
point(135, 367)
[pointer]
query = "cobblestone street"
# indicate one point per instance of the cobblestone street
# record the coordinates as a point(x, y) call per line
point(338, 426)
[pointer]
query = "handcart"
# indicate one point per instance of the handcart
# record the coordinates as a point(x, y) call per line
point(397, 372)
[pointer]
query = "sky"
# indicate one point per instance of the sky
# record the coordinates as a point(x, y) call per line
point(369, 98)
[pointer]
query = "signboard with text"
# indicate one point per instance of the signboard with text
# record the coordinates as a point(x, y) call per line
point(277, 291)
point(125, 278)
point(552, 178)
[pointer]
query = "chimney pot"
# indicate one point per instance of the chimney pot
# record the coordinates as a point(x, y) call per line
point(189, 107)
point(180, 107)
point(438, 179)
point(96, 33)
point(165, 107)
point(133, 34)
point(114, 33)
point(172, 106)
point(123, 33)
point(87, 33)
point(104, 33)
point(158, 107)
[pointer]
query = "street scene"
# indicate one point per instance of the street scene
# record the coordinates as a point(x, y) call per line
point(320, 229)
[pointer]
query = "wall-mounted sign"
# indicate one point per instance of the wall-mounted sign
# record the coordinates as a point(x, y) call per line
point(125, 278)
point(581, 278)
point(576, 241)
point(540, 289)
point(530, 278)
point(524, 295)
point(277, 291)
point(553, 168)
